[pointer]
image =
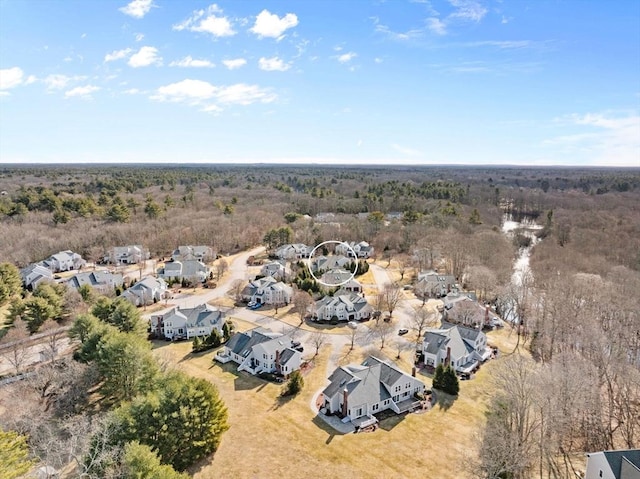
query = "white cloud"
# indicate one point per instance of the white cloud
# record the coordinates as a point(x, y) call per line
point(56, 81)
point(139, 37)
point(270, 25)
point(187, 62)
point(273, 64)
point(606, 139)
point(197, 92)
point(208, 21)
point(137, 8)
point(437, 26)
point(471, 10)
point(378, 60)
point(235, 63)
point(398, 36)
point(346, 57)
point(132, 91)
point(405, 151)
point(10, 78)
point(117, 55)
point(81, 92)
point(146, 56)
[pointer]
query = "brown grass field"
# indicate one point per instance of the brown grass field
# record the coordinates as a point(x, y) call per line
point(271, 438)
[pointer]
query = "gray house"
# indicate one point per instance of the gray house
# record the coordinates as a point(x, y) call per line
point(433, 285)
point(102, 281)
point(131, 254)
point(201, 253)
point(34, 274)
point(261, 350)
point(187, 323)
point(460, 347)
point(357, 392)
point(347, 307)
point(147, 291)
point(188, 269)
point(621, 464)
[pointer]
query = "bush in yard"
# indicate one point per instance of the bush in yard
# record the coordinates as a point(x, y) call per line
point(445, 380)
point(294, 384)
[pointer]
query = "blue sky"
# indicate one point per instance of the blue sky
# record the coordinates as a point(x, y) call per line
point(327, 81)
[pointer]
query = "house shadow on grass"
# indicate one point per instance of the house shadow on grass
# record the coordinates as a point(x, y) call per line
point(242, 381)
point(387, 420)
point(322, 424)
point(443, 400)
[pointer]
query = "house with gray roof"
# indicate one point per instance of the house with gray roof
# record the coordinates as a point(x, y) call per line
point(64, 261)
point(267, 290)
point(102, 281)
point(362, 249)
point(261, 350)
point(461, 347)
point(433, 285)
point(293, 251)
point(464, 309)
point(187, 323)
point(323, 263)
point(131, 254)
point(357, 392)
point(200, 253)
point(345, 307)
point(34, 274)
point(147, 291)
point(343, 279)
point(275, 269)
point(620, 464)
point(192, 270)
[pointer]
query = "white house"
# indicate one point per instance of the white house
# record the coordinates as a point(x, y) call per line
point(328, 263)
point(102, 281)
point(267, 290)
point(261, 350)
point(64, 261)
point(201, 253)
point(187, 323)
point(34, 274)
point(147, 291)
point(357, 392)
point(347, 307)
point(361, 249)
point(343, 279)
point(292, 252)
point(131, 254)
point(187, 269)
point(465, 310)
point(460, 347)
point(621, 464)
point(275, 269)
point(433, 285)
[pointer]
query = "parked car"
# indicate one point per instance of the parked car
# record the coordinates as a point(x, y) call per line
point(299, 348)
point(352, 325)
point(403, 331)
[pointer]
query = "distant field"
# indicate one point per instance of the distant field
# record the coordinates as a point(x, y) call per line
point(272, 439)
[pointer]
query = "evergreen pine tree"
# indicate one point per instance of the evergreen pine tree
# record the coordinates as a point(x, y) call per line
point(438, 377)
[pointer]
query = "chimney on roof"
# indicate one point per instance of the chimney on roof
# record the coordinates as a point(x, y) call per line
point(413, 372)
point(486, 314)
point(345, 395)
point(447, 360)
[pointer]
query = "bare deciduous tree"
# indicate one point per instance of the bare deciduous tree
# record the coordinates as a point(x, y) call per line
point(421, 320)
point(318, 340)
point(221, 268)
point(302, 301)
point(382, 331)
point(14, 346)
point(392, 295)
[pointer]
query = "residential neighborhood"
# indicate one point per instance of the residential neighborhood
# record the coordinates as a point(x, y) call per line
point(187, 323)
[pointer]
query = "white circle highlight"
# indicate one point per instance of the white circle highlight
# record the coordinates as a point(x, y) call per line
point(353, 273)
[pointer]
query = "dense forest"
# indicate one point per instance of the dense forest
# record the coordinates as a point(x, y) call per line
point(573, 383)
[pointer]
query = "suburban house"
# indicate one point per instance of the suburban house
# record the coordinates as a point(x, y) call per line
point(34, 274)
point(621, 464)
point(64, 261)
point(362, 249)
point(261, 350)
point(131, 254)
point(102, 281)
point(433, 285)
point(342, 278)
point(324, 217)
point(462, 309)
point(461, 347)
point(357, 392)
point(192, 270)
point(201, 253)
point(267, 290)
point(328, 263)
point(147, 291)
point(187, 323)
point(275, 269)
point(348, 307)
point(293, 251)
